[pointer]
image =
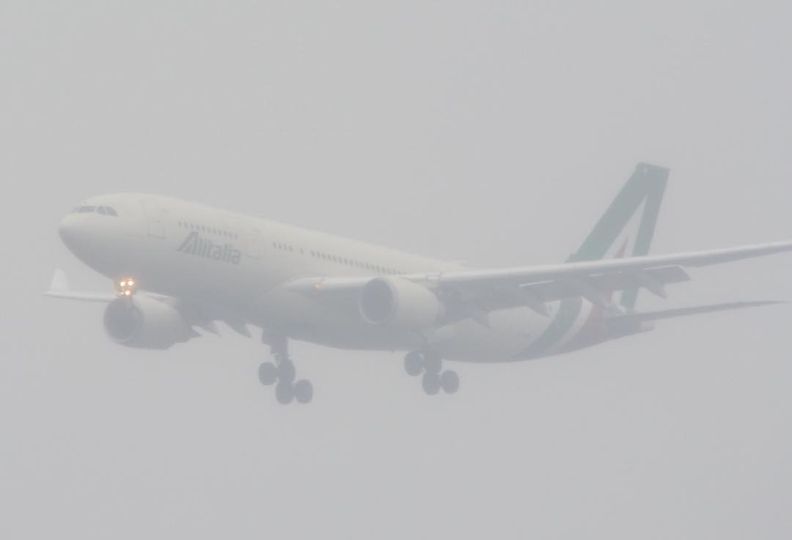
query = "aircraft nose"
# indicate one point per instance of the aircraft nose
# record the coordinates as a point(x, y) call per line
point(69, 230)
point(93, 237)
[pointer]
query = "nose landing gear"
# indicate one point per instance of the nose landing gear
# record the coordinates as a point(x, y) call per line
point(282, 373)
point(430, 366)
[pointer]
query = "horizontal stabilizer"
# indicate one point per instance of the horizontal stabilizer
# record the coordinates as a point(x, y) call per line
point(694, 310)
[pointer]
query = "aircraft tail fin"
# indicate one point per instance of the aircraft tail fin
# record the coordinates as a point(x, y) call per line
point(627, 227)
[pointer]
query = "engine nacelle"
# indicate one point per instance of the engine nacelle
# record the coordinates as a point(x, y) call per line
point(399, 303)
point(145, 323)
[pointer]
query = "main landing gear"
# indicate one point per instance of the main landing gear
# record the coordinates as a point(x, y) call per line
point(430, 366)
point(282, 374)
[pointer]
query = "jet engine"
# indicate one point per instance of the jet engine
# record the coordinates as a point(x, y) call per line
point(399, 303)
point(145, 323)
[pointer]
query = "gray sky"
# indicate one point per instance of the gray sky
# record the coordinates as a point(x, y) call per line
point(491, 132)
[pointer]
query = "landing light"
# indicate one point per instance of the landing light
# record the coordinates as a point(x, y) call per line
point(126, 287)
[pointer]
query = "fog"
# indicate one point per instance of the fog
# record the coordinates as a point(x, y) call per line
point(493, 133)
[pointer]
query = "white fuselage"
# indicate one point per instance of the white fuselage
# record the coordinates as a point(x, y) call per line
point(235, 267)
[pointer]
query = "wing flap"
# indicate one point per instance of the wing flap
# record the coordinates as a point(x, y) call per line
point(605, 284)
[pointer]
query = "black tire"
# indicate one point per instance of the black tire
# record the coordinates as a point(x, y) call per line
point(286, 372)
point(449, 381)
point(268, 373)
point(413, 363)
point(431, 383)
point(303, 391)
point(284, 393)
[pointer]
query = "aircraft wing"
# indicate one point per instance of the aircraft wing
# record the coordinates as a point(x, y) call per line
point(196, 316)
point(59, 288)
point(534, 286)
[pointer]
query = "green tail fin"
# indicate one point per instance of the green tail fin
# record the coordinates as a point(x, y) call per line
point(628, 226)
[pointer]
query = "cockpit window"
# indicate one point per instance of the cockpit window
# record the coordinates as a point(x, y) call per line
point(102, 210)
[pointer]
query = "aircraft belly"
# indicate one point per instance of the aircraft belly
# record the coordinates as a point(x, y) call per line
point(506, 336)
point(506, 333)
point(333, 325)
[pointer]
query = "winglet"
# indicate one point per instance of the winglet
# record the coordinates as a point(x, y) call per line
point(59, 283)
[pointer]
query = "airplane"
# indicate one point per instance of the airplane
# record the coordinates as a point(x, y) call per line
point(179, 268)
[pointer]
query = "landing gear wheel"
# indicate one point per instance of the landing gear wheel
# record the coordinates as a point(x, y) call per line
point(283, 372)
point(413, 363)
point(268, 373)
point(284, 393)
point(303, 391)
point(286, 371)
point(449, 381)
point(431, 383)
